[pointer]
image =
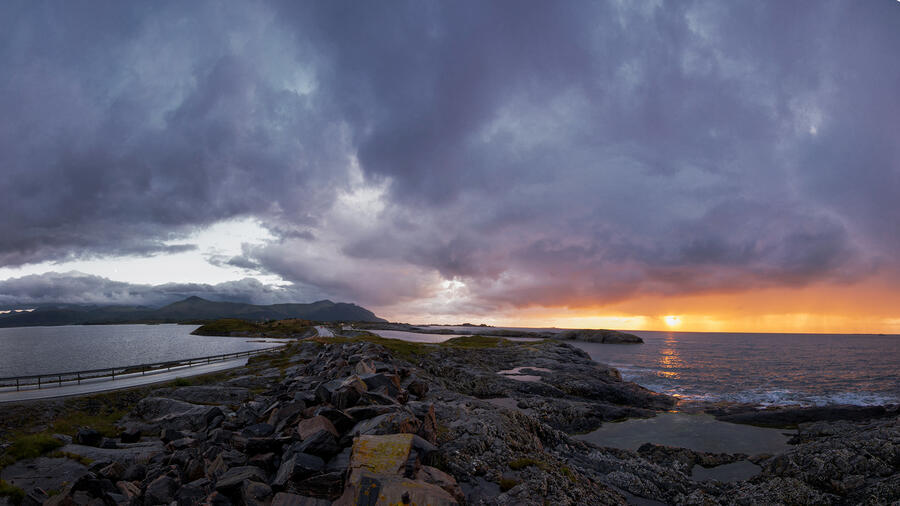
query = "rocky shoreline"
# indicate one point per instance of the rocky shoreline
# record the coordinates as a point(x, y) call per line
point(475, 420)
point(604, 336)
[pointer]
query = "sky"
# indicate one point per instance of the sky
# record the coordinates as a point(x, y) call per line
point(690, 165)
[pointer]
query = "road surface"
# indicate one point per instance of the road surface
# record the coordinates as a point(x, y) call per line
point(124, 381)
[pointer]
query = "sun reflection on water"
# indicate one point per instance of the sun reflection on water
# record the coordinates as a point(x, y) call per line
point(669, 359)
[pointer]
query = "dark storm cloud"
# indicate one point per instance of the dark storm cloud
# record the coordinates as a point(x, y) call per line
point(541, 152)
point(78, 288)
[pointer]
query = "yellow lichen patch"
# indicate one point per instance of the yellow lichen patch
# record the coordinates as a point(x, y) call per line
point(381, 454)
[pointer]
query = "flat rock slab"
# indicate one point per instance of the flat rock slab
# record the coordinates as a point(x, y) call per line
point(211, 394)
point(45, 473)
point(125, 454)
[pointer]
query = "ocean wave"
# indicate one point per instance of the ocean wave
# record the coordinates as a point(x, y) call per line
point(784, 397)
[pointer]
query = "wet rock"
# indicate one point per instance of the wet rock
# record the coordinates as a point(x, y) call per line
point(790, 417)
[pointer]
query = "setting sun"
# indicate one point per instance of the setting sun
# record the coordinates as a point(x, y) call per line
point(672, 320)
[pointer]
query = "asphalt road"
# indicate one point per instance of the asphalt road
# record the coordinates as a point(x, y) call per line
point(126, 381)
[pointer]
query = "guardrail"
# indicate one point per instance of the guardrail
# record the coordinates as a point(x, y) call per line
point(59, 378)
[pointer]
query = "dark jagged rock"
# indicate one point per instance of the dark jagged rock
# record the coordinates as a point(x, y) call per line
point(598, 336)
point(297, 467)
point(88, 437)
point(792, 416)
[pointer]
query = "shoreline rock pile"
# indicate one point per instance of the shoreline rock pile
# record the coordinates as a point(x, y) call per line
point(348, 421)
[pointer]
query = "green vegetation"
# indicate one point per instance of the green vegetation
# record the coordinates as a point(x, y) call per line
point(15, 494)
point(73, 456)
point(522, 463)
point(30, 446)
point(290, 328)
point(476, 342)
point(413, 351)
point(182, 382)
point(508, 483)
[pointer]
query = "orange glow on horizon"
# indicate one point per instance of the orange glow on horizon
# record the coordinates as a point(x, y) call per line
point(864, 308)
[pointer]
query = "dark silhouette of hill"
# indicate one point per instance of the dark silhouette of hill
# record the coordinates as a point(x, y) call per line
point(190, 309)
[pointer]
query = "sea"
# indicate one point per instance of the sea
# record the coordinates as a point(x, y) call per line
point(759, 369)
point(46, 350)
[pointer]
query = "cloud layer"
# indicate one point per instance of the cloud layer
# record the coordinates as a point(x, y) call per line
point(460, 156)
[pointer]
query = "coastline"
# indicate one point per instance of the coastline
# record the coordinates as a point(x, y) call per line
point(488, 437)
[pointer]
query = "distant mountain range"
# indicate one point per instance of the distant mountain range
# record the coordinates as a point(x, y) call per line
point(190, 309)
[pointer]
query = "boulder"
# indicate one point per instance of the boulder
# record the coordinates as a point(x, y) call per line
point(210, 394)
point(258, 430)
point(310, 426)
point(298, 467)
point(88, 437)
point(161, 490)
point(130, 436)
point(254, 493)
point(398, 421)
point(418, 388)
point(322, 444)
point(437, 477)
point(341, 420)
point(231, 481)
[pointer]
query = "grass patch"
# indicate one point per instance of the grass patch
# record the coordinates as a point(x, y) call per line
point(401, 349)
point(81, 459)
point(522, 463)
point(15, 494)
point(413, 351)
point(293, 327)
point(102, 420)
point(476, 342)
point(30, 446)
point(568, 473)
point(508, 483)
point(182, 382)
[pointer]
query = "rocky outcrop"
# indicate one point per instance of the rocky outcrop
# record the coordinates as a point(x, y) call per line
point(598, 336)
point(354, 422)
point(792, 416)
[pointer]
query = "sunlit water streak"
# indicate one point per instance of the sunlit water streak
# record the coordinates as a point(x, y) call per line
point(763, 369)
point(43, 350)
